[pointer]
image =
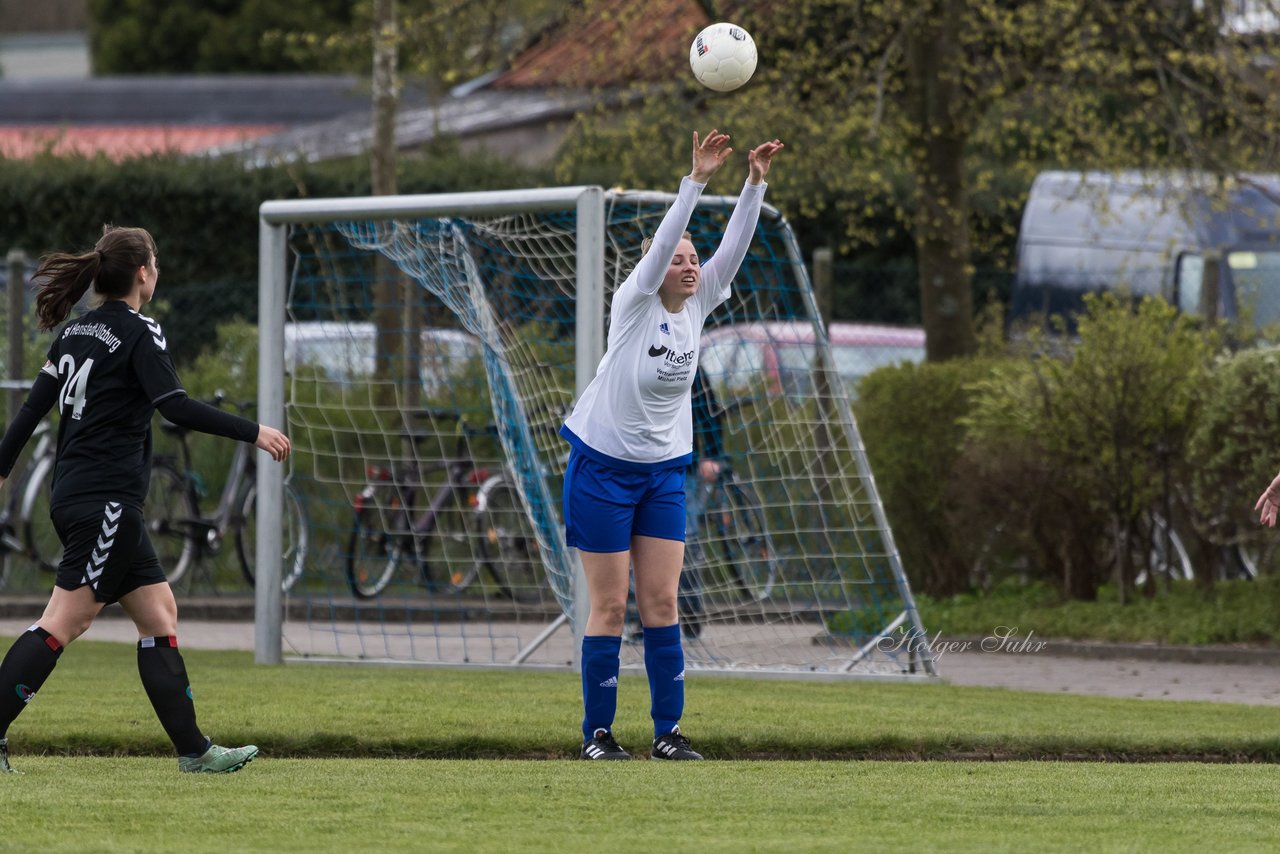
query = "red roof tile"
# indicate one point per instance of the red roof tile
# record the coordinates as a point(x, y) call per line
point(614, 43)
point(120, 142)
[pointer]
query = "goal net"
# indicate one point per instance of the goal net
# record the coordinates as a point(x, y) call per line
point(427, 350)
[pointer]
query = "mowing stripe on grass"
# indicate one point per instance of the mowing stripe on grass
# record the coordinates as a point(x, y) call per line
point(94, 704)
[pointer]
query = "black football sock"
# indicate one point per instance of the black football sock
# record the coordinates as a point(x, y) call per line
point(29, 662)
point(165, 678)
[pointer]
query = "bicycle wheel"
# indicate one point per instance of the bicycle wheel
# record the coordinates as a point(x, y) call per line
point(734, 534)
point(168, 514)
point(1159, 548)
point(294, 541)
point(379, 545)
point(449, 546)
point(37, 526)
point(507, 545)
point(1243, 561)
point(9, 543)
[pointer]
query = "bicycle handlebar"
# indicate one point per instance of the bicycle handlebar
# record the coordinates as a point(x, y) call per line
point(218, 399)
point(241, 406)
point(451, 415)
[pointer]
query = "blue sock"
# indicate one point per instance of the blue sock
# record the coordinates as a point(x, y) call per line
point(600, 661)
point(664, 662)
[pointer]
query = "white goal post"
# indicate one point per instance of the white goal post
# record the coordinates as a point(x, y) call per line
point(432, 498)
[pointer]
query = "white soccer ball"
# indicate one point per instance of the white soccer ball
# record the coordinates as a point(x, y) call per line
point(723, 57)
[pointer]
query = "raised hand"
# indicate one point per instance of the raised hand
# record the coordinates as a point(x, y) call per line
point(760, 158)
point(1269, 503)
point(709, 155)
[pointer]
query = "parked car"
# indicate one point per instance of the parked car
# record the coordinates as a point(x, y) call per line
point(344, 352)
point(1154, 234)
point(780, 354)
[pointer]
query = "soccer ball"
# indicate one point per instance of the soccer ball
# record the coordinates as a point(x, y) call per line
point(723, 57)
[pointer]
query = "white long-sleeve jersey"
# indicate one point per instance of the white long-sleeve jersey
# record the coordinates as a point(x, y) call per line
point(637, 414)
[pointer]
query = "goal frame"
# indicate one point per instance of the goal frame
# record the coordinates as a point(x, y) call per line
point(589, 205)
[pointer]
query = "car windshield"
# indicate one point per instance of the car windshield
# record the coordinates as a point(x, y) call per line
point(1257, 285)
point(853, 361)
point(339, 357)
point(345, 353)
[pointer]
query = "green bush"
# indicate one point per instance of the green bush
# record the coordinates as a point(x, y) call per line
point(1239, 612)
point(1234, 447)
point(1087, 444)
point(910, 420)
point(1034, 467)
point(192, 36)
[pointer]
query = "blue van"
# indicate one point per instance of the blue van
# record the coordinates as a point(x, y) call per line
point(1155, 234)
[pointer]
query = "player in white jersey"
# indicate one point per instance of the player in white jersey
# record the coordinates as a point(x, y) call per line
point(631, 437)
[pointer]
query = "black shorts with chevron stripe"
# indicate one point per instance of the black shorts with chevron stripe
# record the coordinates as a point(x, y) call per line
point(105, 545)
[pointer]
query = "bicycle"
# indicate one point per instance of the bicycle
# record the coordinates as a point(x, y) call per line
point(472, 521)
point(1156, 550)
point(730, 539)
point(183, 535)
point(15, 518)
point(727, 547)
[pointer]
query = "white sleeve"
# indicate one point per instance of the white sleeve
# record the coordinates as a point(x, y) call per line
point(718, 272)
point(647, 276)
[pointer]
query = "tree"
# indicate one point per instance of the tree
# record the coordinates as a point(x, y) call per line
point(391, 290)
point(919, 107)
point(443, 41)
point(450, 40)
point(191, 36)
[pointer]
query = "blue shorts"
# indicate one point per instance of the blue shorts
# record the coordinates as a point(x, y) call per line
point(604, 507)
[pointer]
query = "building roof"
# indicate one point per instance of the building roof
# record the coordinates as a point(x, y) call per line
point(134, 115)
point(351, 135)
point(266, 118)
point(574, 64)
point(621, 42)
point(118, 142)
point(186, 99)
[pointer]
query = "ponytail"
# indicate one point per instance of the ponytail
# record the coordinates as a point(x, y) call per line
point(111, 267)
point(66, 278)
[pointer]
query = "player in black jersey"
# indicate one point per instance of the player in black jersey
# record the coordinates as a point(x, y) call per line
point(108, 371)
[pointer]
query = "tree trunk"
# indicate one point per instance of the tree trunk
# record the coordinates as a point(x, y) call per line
point(936, 96)
point(395, 362)
point(385, 96)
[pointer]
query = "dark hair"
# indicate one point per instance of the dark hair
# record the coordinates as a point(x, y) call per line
point(111, 267)
point(648, 241)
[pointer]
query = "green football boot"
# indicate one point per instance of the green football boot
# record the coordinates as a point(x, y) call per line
point(218, 760)
point(5, 767)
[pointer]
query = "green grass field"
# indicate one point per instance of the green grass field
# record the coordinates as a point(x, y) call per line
point(130, 804)
point(403, 759)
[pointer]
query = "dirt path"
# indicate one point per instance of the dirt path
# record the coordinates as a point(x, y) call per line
point(1224, 680)
point(1257, 684)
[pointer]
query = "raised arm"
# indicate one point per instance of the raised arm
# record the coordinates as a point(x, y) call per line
point(708, 156)
point(723, 265)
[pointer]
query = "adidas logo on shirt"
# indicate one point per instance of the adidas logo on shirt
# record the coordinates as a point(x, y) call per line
point(679, 677)
point(612, 682)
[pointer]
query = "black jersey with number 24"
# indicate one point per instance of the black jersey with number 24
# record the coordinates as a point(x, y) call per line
point(113, 366)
